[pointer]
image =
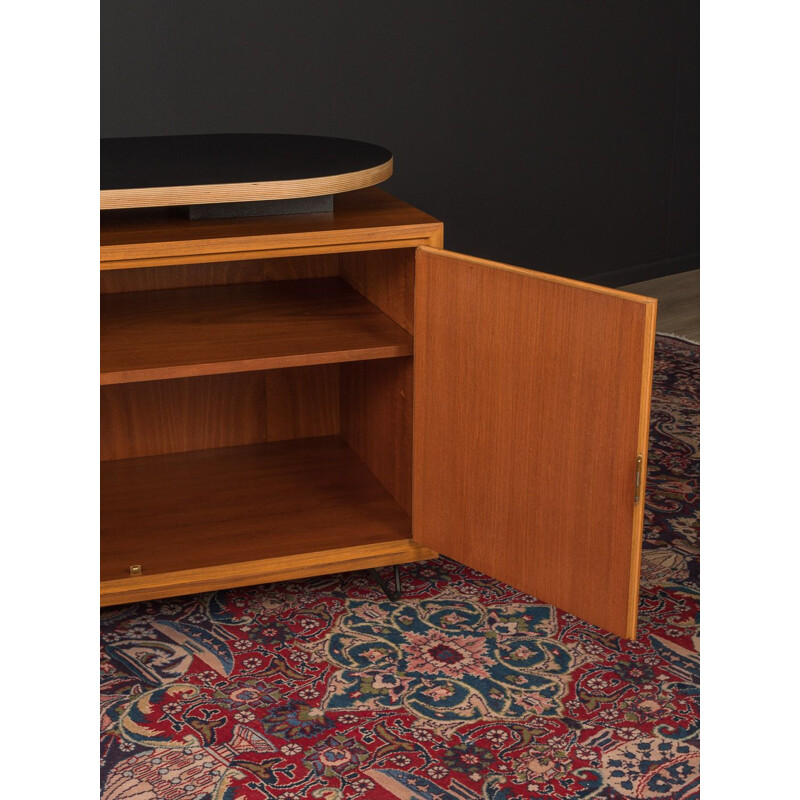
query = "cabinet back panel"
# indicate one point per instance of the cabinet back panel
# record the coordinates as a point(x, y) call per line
point(184, 414)
point(302, 402)
point(175, 416)
point(219, 273)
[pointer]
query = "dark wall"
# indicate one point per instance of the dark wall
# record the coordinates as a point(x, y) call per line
point(555, 134)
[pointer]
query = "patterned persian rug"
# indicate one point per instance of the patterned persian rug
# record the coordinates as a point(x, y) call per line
point(464, 689)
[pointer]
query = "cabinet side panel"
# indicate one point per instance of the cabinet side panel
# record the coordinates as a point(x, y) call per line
point(376, 398)
point(177, 416)
point(386, 279)
point(220, 273)
point(528, 396)
point(302, 402)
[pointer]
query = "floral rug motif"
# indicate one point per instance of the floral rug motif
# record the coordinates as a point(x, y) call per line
point(466, 689)
point(446, 661)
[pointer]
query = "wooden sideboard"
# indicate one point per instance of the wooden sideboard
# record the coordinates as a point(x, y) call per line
point(301, 395)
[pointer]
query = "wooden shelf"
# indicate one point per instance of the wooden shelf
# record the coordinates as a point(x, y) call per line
point(217, 329)
point(243, 515)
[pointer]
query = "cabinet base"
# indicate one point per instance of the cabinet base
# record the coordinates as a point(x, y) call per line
point(228, 576)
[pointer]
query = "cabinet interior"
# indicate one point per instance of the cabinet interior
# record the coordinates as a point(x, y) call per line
point(255, 409)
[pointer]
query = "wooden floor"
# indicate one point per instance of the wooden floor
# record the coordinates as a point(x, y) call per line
point(678, 302)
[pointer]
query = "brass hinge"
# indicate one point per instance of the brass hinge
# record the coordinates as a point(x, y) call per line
point(637, 494)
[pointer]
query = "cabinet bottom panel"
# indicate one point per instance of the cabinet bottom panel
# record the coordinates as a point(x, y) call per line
point(235, 516)
point(249, 573)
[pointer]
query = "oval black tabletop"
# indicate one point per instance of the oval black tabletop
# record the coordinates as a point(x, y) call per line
point(210, 159)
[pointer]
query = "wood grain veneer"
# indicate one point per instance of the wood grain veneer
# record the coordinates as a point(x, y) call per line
point(155, 417)
point(175, 416)
point(220, 273)
point(368, 219)
point(302, 402)
point(218, 329)
point(207, 508)
point(529, 412)
point(386, 279)
point(376, 420)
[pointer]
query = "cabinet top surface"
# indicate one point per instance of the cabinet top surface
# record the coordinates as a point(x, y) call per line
point(124, 232)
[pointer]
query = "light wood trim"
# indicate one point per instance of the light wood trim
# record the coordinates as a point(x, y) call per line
point(241, 192)
point(248, 573)
point(545, 276)
point(648, 356)
point(436, 238)
point(158, 254)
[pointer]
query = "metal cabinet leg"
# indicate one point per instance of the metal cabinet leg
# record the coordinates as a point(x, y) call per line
point(392, 594)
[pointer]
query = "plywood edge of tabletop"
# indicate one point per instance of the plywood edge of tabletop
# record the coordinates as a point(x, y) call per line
point(248, 573)
point(112, 199)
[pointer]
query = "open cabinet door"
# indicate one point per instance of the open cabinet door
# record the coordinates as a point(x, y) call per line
point(531, 412)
